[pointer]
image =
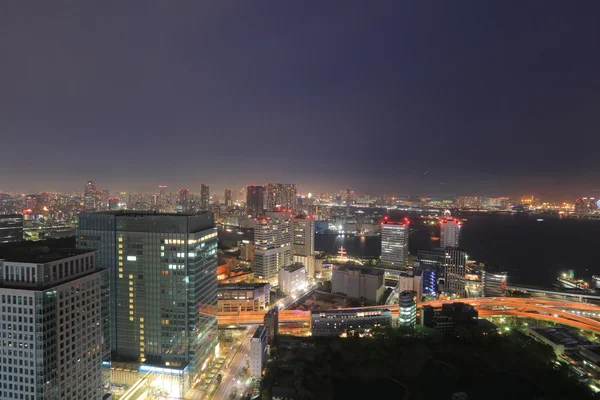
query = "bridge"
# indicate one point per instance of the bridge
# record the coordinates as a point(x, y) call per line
point(579, 315)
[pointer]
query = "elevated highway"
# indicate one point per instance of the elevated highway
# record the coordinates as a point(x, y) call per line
point(579, 315)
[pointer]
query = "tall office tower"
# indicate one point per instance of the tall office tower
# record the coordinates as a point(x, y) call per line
point(11, 228)
point(408, 308)
point(394, 242)
point(163, 275)
point(228, 200)
point(90, 197)
point(455, 266)
point(104, 196)
point(303, 242)
point(449, 232)
point(255, 197)
point(162, 199)
point(184, 200)
point(204, 197)
point(282, 195)
point(54, 325)
point(258, 352)
point(272, 249)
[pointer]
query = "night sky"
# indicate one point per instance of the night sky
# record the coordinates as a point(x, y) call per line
point(397, 97)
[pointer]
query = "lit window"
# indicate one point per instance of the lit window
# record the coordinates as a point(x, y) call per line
point(120, 275)
point(131, 318)
point(130, 276)
point(131, 306)
point(141, 319)
point(120, 269)
point(131, 258)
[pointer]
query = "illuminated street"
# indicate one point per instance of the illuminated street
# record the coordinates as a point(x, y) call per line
point(231, 373)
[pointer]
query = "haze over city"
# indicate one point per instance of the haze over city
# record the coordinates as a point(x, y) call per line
point(400, 98)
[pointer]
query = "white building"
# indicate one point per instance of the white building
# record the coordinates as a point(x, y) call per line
point(455, 266)
point(449, 232)
point(408, 308)
point(358, 282)
point(258, 352)
point(272, 248)
point(54, 316)
point(394, 243)
point(292, 278)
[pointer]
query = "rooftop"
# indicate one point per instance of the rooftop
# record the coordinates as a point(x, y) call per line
point(42, 255)
point(559, 335)
point(242, 286)
point(293, 267)
point(361, 269)
point(346, 311)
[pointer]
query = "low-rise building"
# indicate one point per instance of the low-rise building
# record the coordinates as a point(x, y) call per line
point(358, 282)
point(336, 322)
point(258, 352)
point(559, 338)
point(292, 278)
point(449, 316)
point(243, 297)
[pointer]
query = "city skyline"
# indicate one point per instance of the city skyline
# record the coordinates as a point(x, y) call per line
point(404, 98)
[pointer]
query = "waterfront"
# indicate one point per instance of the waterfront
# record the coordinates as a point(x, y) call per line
point(533, 252)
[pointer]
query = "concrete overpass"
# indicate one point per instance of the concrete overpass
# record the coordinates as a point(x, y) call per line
point(562, 312)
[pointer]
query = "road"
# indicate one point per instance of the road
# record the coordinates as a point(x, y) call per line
point(564, 312)
point(231, 373)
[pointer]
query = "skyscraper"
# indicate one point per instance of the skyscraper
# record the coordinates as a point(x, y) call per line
point(303, 242)
point(184, 200)
point(161, 204)
point(282, 195)
point(204, 197)
point(394, 242)
point(90, 197)
point(455, 265)
point(255, 196)
point(449, 232)
point(228, 200)
point(54, 325)
point(163, 274)
point(272, 249)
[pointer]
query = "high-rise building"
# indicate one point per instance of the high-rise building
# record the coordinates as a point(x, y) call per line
point(163, 275)
point(258, 352)
point(11, 228)
point(204, 197)
point(272, 248)
point(113, 203)
point(408, 308)
point(282, 196)
point(455, 265)
point(394, 242)
point(161, 204)
point(184, 200)
point(228, 199)
point(255, 197)
point(271, 322)
point(303, 235)
point(54, 326)
point(90, 197)
point(450, 232)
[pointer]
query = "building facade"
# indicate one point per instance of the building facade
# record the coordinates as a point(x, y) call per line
point(408, 308)
point(292, 278)
point(163, 275)
point(258, 352)
point(336, 322)
point(282, 196)
point(55, 326)
point(394, 243)
point(494, 283)
point(272, 247)
point(243, 297)
point(204, 197)
point(358, 282)
point(228, 199)
point(255, 197)
point(11, 228)
point(455, 267)
point(449, 232)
